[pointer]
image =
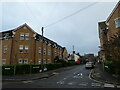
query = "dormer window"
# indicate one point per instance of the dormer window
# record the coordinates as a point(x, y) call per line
point(21, 36)
point(6, 36)
point(49, 44)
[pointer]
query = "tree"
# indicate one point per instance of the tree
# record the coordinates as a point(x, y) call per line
point(114, 51)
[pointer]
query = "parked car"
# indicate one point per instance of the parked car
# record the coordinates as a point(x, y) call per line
point(89, 65)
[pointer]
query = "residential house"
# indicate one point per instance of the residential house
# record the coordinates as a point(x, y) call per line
point(24, 46)
point(113, 22)
point(108, 30)
point(103, 39)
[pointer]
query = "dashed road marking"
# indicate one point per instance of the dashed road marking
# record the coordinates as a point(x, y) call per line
point(60, 82)
point(79, 75)
point(83, 84)
point(64, 78)
point(74, 72)
point(96, 84)
point(71, 83)
point(109, 85)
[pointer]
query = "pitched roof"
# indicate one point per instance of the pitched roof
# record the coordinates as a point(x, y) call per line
point(117, 5)
point(23, 26)
point(38, 36)
point(6, 34)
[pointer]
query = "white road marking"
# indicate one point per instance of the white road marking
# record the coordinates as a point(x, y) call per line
point(109, 85)
point(64, 78)
point(96, 84)
point(81, 74)
point(74, 76)
point(71, 83)
point(118, 86)
point(83, 84)
point(27, 81)
point(75, 73)
point(60, 82)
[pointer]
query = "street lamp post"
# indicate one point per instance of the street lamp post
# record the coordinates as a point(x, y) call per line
point(42, 51)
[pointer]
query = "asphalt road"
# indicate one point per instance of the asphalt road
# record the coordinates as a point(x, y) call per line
point(77, 77)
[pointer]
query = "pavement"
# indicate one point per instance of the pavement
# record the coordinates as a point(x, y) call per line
point(99, 75)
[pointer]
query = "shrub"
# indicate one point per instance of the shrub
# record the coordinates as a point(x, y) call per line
point(35, 68)
point(23, 69)
point(110, 65)
point(30, 68)
point(8, 70)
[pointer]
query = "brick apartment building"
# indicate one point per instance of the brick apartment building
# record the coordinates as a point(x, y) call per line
point(108, 30)
point(113, 22)
point(103, 39)
point(24, 46)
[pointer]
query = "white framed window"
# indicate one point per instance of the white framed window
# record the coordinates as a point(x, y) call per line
point(27, 36)
point(39, 49)
point(5, 49)
point(45, 61)
point(44, 51)
point(49, 61)
point(25, 61)
point(20, 61)
point(49, 52)
point(117, 22)
point(26, 48)
point(39, 61)
point(60, 55)
point(21, 48)
point(3, 61)
point(21, 36)
point(55, 52)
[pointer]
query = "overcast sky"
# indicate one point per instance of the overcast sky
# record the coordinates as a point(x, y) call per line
point(79, 29)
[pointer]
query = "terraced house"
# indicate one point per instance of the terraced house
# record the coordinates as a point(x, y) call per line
point(24, 46)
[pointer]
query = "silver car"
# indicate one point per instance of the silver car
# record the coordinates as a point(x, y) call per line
point(89, 65)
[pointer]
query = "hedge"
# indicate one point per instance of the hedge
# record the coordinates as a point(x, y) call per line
point(29, 68)
point(8, 70)
point(110, 66)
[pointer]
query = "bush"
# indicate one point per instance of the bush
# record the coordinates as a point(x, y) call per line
point(52, 66)
point(35, 68)
point(111, 66)
point(27, 68)
point(23, 69)
point(8, 70)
